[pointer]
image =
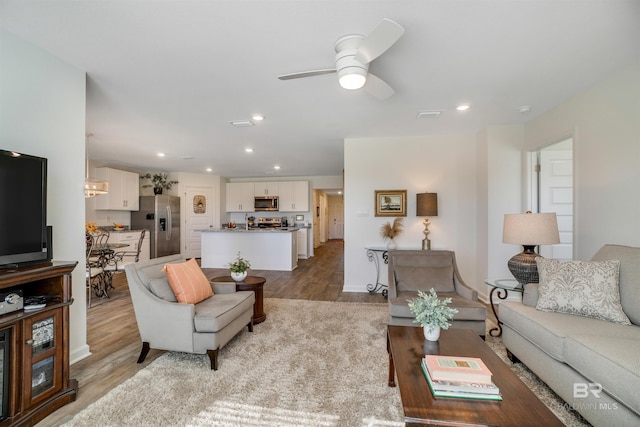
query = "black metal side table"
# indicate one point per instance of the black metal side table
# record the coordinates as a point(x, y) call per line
point(503, 287)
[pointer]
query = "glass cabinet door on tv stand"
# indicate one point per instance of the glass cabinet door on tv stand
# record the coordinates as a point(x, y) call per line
point(43, 350)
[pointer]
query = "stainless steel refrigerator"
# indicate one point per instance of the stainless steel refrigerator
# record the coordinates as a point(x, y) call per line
point(160, 215)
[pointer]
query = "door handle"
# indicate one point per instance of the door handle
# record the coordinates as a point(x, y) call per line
point(169, 225)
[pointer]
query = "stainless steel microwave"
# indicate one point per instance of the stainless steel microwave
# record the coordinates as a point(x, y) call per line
point(267, 203)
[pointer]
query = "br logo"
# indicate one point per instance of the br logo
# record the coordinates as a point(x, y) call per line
point(582, 390)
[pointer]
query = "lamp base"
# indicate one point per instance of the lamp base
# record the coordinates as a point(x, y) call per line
point(426, 243)
point(523, 266)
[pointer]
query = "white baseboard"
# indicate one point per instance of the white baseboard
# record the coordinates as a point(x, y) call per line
point(78, 354)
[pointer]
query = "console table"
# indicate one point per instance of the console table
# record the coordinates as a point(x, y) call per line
point(372, 254)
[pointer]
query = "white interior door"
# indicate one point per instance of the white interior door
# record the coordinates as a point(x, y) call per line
point(336, 217)
point(556, 195)
point(198, 216)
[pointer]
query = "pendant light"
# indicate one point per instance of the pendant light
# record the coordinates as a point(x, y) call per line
point(92, 187)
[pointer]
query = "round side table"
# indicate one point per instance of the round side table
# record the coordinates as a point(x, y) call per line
point(250, 283)
point(503, 286)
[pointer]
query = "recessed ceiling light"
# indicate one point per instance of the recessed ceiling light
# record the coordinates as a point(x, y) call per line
point(524, 109)
point(276, 167)
point(257, 117)
point(463, 107)
point(161, 154)
point(249, 150)
point(429, 114)
point(209, 169)
point(242, 123)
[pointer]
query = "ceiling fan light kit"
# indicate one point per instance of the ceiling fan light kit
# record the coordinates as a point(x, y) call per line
point(354, 52)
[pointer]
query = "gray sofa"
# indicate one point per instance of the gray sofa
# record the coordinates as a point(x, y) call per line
point(592, 364)
point(201, 328)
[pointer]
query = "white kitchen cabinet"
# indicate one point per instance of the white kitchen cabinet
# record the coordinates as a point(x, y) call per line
point(265, 188)
point(302, 244)
point(240, 196)
point(131, 238)
point(293, 196)
point(124, 190)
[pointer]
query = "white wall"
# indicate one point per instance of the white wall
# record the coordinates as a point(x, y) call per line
point(499, 190)
point(605, 125)
point(42, 112)
point(442, 164)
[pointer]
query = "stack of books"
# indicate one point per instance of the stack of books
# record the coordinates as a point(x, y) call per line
point(460, 377)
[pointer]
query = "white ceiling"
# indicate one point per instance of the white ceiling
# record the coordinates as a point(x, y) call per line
point(169, 76)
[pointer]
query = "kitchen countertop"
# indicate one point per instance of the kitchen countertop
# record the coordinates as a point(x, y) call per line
point(251, 230)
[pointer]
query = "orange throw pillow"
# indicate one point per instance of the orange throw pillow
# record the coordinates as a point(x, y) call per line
point(188, 282)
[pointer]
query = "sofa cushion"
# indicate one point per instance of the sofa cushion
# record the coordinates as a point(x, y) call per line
point(548, 330)
point(188, 282)
point(425, 278)
point(467, 309)
point(629, 277)
point(213, 314)
point(414, 271)
point(582, 288)
point(611, 360)
point(162, 289)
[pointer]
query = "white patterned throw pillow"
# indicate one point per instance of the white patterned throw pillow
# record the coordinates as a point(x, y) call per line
point(582, 288)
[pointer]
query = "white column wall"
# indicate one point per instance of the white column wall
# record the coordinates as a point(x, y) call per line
point(42, 112)
point(499, 188)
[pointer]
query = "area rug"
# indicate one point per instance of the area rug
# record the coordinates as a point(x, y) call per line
point(310, 363)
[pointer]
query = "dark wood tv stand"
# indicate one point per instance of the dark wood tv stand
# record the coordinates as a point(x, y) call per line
point(38, 353)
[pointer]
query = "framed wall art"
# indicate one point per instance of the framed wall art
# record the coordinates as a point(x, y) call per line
point(391, 202)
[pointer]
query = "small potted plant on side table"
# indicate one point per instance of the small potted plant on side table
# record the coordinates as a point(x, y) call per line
point(432, 313)
point(239, 268)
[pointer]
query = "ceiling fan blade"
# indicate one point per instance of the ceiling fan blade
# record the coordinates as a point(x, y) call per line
point(379, 40)
point(307, 74)
point(378, 88)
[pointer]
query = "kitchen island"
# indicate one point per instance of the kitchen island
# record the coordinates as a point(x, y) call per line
point(266, 249)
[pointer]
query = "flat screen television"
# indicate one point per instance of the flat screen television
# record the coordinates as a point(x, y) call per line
point(23, 209)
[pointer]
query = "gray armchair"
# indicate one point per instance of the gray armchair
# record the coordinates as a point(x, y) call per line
point(200, 328)
point(414, 270)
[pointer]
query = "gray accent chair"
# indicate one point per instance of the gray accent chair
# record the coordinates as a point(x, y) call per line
point(414, 270)
point(201, 328)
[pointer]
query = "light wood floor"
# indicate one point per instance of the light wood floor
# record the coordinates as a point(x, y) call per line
point(112, 333)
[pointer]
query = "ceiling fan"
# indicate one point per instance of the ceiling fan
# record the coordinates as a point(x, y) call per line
point(354, 52)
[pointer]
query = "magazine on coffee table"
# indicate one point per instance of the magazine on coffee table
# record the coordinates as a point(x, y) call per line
point(454, 368)
point(461, 389)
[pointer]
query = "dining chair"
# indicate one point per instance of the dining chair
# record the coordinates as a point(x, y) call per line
point(117, 260)
point(94, 272)
point(102, 236)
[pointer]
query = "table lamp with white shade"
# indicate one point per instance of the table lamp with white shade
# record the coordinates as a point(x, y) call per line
point(529, 230)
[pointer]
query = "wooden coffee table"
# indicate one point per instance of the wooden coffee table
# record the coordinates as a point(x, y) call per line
point(406, 346)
